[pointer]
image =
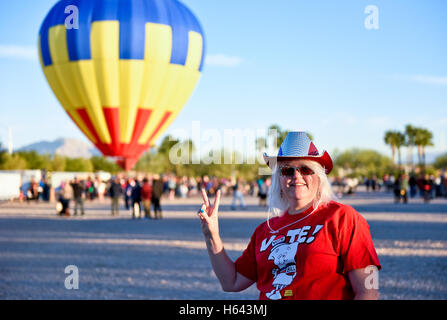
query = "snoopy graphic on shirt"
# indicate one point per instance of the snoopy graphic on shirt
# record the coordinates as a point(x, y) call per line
point(283, 256)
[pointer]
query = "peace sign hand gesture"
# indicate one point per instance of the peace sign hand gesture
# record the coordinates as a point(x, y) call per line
point(209, 216)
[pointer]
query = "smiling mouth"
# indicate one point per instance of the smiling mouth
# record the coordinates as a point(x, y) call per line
point(297, 185)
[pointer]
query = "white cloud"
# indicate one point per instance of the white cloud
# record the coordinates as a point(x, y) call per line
point(425, 79)
point(222, 60)
point(18, 52)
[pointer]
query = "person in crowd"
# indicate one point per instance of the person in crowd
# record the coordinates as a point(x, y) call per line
point(90, 189)
point(367, 183)
point(426, 186)
point(100, 188)
point(413, 185)
point(386, 182)
point(262, 193)
point(432, 181)
point(397, 188)
point(420, 181)
point(374, 183)
point(340, 183)
point(157, 192)
point(182, 187)
point(146, 197)
point(314, 248)
point(238, 195)
point(404, 188)
point(192, 187)
point(32, 193)
point(65, 194)
point(40, 187)
point(401, 188)
point(128, 192)
point(444, 183)
point(439, 185)
point(115, 192)
point(78, 195)
point(136, 200)
point(46, 187)
point(172, 185)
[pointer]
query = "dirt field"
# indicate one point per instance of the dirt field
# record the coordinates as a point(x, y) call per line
point(121, 258)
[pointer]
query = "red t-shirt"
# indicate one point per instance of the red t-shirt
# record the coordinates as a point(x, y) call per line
point(146, 192)
point(309, 259)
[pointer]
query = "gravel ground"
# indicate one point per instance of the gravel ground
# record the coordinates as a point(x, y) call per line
point(121, 258)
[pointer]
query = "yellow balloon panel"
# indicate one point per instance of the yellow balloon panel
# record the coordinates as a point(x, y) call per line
point(131, 75)
point(169, 88)
point(84, 71)
point(57, 42)
point(105, 55)
point(179, 100)
point(60, 94)
point(156, 62)
point(194, 56)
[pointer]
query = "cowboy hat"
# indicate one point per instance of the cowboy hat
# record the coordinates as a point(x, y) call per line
point(297, 145)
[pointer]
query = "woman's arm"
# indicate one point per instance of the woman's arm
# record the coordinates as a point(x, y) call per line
point(223, 266)
point(365, 283)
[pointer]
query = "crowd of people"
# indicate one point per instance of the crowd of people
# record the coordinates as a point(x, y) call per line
point(403, 186)
point(426, 186)
point(138, 195)
point(36, 191)
point(142, 195)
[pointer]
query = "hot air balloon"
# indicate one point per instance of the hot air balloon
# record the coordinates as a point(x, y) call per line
point(125, 71)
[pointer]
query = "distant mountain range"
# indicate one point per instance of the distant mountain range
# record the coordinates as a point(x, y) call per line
point(63, 146)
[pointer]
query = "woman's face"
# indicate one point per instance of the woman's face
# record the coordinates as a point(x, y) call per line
point(298, 189)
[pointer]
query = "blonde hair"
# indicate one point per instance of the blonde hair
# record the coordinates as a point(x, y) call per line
point(278, 203)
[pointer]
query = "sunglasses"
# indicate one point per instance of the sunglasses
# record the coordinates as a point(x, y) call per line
point(288, 171)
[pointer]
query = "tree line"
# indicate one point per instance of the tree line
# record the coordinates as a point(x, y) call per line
point(353, 162)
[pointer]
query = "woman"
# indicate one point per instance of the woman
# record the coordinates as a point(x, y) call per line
point(315, 247)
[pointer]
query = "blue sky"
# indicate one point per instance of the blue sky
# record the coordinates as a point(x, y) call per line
point(304, 65)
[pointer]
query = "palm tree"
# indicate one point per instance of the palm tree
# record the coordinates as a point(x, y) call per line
point(390, 139)
point(423, 139)
point(417, 141)
point(399, 142)
point(427, 142)
point(410, 133)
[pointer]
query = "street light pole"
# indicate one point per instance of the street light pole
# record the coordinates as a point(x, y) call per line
point(10, 148)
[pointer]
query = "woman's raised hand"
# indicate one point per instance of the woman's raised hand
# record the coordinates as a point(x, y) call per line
point(209, 215)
